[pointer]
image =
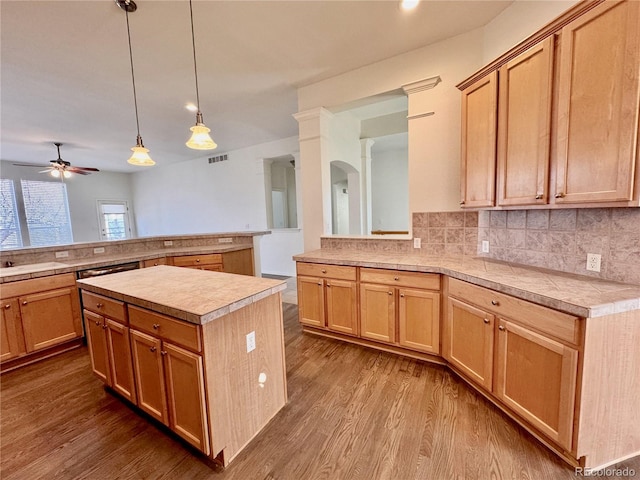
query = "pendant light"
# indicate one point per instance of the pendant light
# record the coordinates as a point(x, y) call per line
point(200, 138)
point(140, 155)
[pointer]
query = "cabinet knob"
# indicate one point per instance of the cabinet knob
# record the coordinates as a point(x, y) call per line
point(402, 295)
point(7, 306)
point(98, 323)
point(163, 353)
point(390, 293)
point(24, 302)
point(501, 328)
point(539, 196)
point(396, 278)
point(328, 284)
point(495, 303)
point(104, 326)
point(324, 271)
point(153, 349)
point(461, 202)
point(320, 283)
point(559, 195)
point(197, 260)
point(486, 320)
point(156, 326)
point(155, 264)
point(99, 305)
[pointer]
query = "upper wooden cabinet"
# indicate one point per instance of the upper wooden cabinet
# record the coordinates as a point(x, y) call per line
point(562, 110)
point(479, 107)
point(598, 105)
point(524, 126)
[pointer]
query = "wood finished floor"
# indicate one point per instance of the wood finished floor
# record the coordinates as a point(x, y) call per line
point(353, 413)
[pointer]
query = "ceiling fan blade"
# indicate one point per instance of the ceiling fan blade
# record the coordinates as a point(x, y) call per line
point(87, 169)
point(75, 170)
point(29, 165)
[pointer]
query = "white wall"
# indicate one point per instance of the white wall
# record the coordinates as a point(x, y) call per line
point(198, 197)
point(83, 193)
point(389, 194)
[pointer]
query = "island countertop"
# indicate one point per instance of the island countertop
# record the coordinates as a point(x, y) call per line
point(197, 296)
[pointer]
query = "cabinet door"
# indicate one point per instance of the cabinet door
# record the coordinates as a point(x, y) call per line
point(524, 124)
point(470, 341)
point(478, 170)
point(185, 387)
point(95, 328)
point(419, 320)
point(377, 313)
point(311, 301)
point(342, 313)
point(117, 337)
point(50, 318)
point(598, 104)
point(11, 339)
point(149, 375)
point(536, 377)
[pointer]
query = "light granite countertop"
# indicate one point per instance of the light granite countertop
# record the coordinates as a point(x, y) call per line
point(578, 295)
point(35, 270)
point(197, 296)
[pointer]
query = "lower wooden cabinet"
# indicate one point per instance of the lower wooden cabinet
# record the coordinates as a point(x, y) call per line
point(37, 315)
point(377, 313)
point(536, 378)
point(342, 315)
point(170, 386)
point(530, 371)
point(470, 341)
point(419, 320)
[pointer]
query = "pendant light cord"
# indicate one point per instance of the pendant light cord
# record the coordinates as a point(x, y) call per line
point(195, 66)
point(133, 78)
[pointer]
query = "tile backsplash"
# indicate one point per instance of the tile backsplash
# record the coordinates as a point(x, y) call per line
point(555, 239)
point(560, 239)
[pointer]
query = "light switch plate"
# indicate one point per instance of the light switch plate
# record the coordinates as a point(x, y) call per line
point(485, 246)
point(63, 254)
point(251, 341)
point(417, 243)
point(98, 250)
point(593, 262)
point(225, 240)
point(168, 243)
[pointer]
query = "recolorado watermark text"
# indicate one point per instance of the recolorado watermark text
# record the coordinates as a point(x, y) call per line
point(605, 472)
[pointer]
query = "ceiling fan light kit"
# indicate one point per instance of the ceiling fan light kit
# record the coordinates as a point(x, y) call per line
point(60, 168)
point(200, 138)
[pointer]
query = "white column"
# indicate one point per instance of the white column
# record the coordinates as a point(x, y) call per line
point(315, 175)
point(366, 144)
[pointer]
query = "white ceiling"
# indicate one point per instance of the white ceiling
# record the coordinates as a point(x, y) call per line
point(65, 73)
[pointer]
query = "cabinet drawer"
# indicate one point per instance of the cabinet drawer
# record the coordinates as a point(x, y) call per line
point(326, 271)
point(197, 260)
point(429, 281)
point(153, 262)
point(42, 284)
point(104, 306)
point(558, 324)
point(176, 331)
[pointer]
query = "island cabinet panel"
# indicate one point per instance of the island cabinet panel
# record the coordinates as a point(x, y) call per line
point(149, 375)
point(598, 105)
point(102, 305)
point(524, 126)
point(119, 349)
point(377, 313)
point(186, 395)
point(470, 341)
point(50, 318)
point(11, 336)
point(177, 331)
point(478, 170)
point(536, 377)
point(95, 329)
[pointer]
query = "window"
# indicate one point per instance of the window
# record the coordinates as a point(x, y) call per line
point(47, 212)
point(10, 236)
point(114, 219)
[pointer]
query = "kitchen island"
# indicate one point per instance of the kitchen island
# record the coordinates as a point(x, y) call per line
point(201, 352)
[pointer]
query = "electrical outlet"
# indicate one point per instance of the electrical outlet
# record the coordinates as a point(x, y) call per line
point(63, 254)
point(225, 240)
point(251, 341)
point(98, 250)
point(485, 246)
point(168, 243)
point(593, 262)
point(417, 243)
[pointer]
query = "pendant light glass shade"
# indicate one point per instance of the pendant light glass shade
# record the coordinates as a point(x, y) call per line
point(140, 155)
point(200, 138)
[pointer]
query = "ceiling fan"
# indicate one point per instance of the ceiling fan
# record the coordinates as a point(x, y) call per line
point(60, 168)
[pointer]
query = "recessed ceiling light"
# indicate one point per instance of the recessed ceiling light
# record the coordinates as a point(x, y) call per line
point(409, 4)
point(191, 107)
